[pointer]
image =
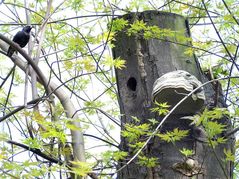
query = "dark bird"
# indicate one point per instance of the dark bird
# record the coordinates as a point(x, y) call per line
point(21, 38)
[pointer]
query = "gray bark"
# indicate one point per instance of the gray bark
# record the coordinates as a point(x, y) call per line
point(146, 61)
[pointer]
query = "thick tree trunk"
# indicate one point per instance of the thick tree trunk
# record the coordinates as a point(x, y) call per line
point(147, 60)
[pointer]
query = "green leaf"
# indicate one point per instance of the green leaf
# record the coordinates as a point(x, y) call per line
point(148, 161)
point(81, 168)
point(136, 27)
point(33, 143)
point(215, 114)
point(161, 108)
point(153, 121)
point(54, 133)
point(137, 145)
point(189, 52)
point(28, 163)
point(135, 119)
point(75, 44)
point(3, 137)
point(133, 132)
point(119, 155)
point(229, 155)
point(173, 136)
point(213, 128)
point(217, 141)
point(73, 127)
point(118, 63)
point(91, 105)
point(76, 5)
point(3, 155)
point(186, 152)
point(118, 24)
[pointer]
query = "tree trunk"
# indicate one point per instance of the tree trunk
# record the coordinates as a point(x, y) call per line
point(146, 61)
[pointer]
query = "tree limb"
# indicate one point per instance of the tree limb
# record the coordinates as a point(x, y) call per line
point(29, 60)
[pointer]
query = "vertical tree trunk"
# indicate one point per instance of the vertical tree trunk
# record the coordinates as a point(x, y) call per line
point(147, 60)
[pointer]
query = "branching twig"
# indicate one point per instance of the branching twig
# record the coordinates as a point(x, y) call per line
point(33, 102)
point(36, 151)
point(219, 36)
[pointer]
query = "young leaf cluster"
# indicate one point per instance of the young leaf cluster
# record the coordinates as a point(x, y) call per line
point(211, 122)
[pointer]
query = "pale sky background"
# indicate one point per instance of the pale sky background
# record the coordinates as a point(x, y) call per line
point(94, 89)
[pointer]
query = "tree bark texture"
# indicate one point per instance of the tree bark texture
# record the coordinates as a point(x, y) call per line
point(146, 61)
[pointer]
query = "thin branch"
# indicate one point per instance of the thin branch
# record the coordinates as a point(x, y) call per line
point(10, 72)
point(228, 9)
point(12, 176)
point(231, 132)
point(33, 102)
point(89, 135)
point(199, 8)
point(18, 5)
point(36, 151)
point(219, 36)
point(65, 19)
point(230, 72)
point(10, 88)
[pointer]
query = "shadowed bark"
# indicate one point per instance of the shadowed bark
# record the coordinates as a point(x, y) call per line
point(146, 61)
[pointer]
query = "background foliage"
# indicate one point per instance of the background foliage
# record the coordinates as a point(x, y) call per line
point(75, 38)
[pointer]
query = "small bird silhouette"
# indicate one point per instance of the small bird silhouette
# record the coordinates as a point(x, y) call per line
point(21, 38)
